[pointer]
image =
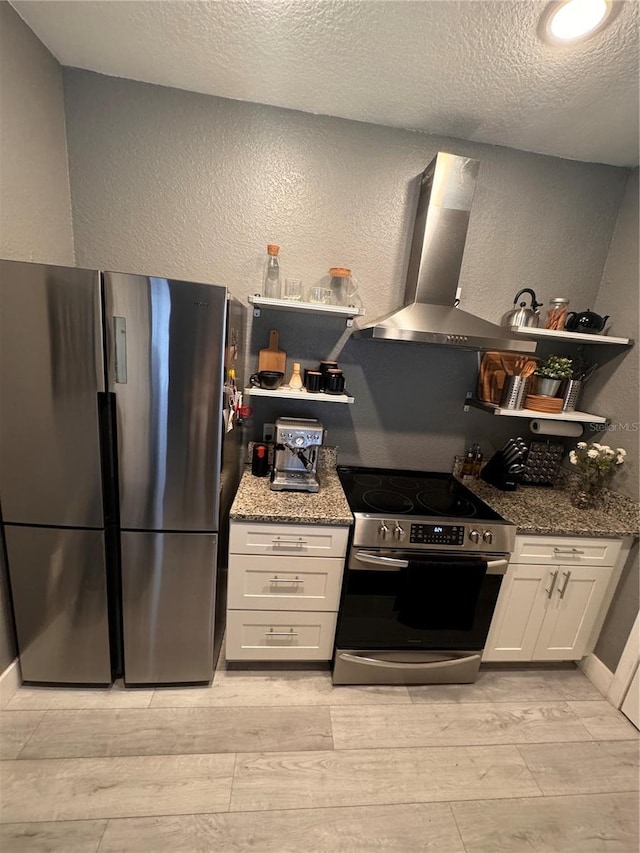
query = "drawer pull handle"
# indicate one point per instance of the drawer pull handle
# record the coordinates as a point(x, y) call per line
point(554, 578)
point(562, 591)
point(272, 633)
point(286, 580)
point(573, 552)
point(289, 544)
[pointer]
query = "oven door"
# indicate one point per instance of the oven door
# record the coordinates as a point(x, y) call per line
point(409, 617)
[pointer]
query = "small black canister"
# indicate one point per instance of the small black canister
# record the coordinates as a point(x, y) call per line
point(260, 460)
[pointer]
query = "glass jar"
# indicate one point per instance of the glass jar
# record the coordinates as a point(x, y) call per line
point(557, 313)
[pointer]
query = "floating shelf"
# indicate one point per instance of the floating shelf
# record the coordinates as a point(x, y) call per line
point(576, 337)
point(348, 311)
point(302, 396)
point(583, 417)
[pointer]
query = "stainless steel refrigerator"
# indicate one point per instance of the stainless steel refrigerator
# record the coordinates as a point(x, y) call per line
point(116, 471)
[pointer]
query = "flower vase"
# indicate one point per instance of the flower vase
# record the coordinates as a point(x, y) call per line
point(588, 494)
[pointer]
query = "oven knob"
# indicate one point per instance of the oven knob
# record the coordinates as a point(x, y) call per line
point(398, 532)
point(383, 531)
point(474, 536)
point(487, 537)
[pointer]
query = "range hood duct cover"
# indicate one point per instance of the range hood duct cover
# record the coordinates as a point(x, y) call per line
point(429, 314)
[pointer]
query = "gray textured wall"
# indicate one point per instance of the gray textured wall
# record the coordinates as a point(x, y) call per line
point(617, 391)
point(35, 203)
point(177, 183)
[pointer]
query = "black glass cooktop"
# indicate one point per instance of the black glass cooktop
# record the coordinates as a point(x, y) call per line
point(419, 493)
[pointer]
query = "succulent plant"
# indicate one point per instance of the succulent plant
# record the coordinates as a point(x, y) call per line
point(555, 367)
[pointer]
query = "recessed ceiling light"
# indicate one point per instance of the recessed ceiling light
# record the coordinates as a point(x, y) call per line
point(570, 21)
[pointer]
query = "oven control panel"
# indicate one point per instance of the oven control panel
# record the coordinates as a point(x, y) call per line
point(375, 531)
point(436, 534)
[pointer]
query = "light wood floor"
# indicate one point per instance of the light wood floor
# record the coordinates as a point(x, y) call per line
point(282, 762)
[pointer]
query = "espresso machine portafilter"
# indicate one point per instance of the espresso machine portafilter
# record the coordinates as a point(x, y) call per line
point(295, 460)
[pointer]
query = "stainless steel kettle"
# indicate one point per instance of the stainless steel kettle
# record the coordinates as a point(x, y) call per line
point(520, 315)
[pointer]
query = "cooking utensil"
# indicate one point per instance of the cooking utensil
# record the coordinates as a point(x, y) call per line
point(520, 316)
point(529, 368)
point(272, 358)
point(589, 372)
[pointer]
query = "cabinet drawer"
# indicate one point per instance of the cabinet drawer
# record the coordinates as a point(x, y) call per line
point(284, 583)
point(279, 635)
point(566, 550)
point(288, 539)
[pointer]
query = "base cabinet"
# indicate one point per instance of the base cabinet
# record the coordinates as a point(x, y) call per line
point(546, 612)
point(553, 598)
point(284, 591)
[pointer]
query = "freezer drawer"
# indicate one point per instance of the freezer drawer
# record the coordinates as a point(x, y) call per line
point(59, 589)
point(168, 598)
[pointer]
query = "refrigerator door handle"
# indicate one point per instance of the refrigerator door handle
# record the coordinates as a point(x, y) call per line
point(120, 348)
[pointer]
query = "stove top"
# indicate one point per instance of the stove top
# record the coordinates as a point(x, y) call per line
point(380, 491)
point(421, 510)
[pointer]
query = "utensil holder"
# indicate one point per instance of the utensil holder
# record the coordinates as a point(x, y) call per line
point(513, 392)
point(570, 394)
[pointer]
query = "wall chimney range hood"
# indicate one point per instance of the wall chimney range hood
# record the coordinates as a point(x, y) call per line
point(429, 314)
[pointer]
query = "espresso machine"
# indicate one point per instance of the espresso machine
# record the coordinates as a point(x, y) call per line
point(295, 460)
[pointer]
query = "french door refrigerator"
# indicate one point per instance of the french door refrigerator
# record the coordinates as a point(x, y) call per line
point(116, 470)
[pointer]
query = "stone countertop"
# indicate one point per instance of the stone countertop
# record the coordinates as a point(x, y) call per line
point(548, 511)
point(255, 501)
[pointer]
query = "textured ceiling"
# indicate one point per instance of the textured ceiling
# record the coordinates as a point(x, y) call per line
point(474, 69)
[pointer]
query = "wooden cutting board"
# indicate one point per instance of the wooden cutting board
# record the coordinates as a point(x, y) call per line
point(272, 358)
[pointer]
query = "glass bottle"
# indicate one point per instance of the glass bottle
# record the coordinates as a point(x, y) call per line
point(272, 273)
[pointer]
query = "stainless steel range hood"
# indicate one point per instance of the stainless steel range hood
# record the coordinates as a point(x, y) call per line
point(429, 314)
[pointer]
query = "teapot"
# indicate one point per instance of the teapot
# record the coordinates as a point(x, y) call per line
point(522, 316)
point(586, 321)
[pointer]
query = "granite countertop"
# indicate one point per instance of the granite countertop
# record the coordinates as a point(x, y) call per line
point(548, 511)
point(255, 501)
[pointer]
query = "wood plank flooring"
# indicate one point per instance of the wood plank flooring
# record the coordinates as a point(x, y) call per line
point(282, 762)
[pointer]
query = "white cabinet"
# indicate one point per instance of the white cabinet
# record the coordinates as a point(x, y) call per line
point(284, 590)
point(552, 597)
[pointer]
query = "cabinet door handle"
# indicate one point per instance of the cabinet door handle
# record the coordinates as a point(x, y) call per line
point(562, 591)
point(286, 580)
point(554, 578)
point(272, 633)
point(568, 552)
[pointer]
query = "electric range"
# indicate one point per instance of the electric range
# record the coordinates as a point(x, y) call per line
point(422, 511)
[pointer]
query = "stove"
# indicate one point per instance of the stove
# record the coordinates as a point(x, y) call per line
point(422, 577)
point(421, 511)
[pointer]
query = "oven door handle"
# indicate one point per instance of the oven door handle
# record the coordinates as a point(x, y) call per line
point(390, 564)
point(388, 664)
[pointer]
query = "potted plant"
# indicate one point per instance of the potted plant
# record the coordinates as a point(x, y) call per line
point(550, 373)
point(597, 463)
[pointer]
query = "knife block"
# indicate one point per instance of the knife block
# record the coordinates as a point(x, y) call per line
point(496, 472)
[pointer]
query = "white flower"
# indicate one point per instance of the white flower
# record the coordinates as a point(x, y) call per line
point(621, 451)
point(573, 457)
point(582, 444)
point(608, 451)
point(593, 454)
point(619, 460)
point(596, 445)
